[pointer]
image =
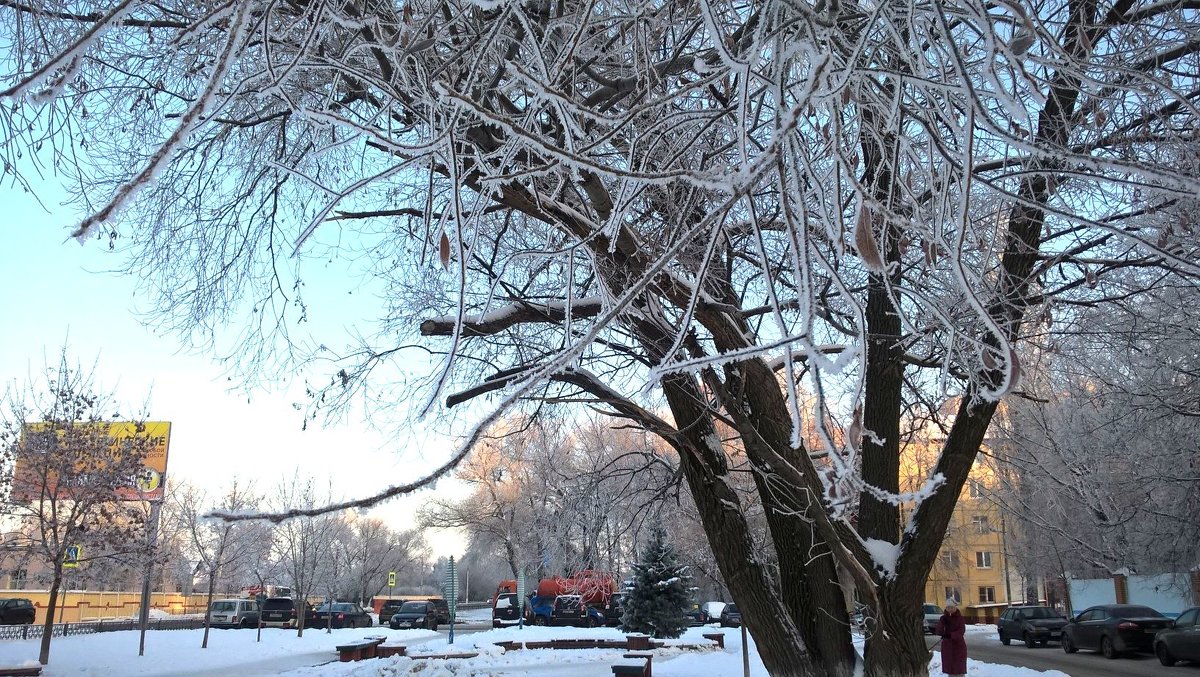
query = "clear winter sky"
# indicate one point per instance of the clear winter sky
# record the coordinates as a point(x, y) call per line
point(56, 292)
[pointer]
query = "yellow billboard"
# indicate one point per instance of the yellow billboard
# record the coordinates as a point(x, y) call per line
point(151, 438)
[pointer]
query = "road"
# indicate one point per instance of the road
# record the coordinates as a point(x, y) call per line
point(987, 648)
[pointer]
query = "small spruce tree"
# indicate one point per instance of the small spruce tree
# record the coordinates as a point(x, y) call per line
point(657, 602)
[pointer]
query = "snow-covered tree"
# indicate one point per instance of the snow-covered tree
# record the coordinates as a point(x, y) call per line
point(68, 476)
point(658, 601)
point(684, 215)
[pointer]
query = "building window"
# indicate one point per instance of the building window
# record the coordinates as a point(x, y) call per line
point(18, 578)
point(974, 489)
point(980, 522)
point(987, 594)
point(950, 559)
point(953, 593)
point(983, 560)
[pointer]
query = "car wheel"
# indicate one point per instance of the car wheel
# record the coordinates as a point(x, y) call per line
point(1004, 639)
point(591, 622)
point(1067, 645)
point(1106, 647)
point(539, 620)
point(1164, 654)
point(1030, 642)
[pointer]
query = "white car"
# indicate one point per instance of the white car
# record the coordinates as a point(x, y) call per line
point(933, 613)
point(233, 613)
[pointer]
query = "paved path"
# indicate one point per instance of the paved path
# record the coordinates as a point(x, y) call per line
point(987, 648)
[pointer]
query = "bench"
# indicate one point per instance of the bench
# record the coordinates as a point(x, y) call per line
point(359, 650)
point(718, 637)
point(389, 650)
point(31, 671)
point(648, 657)
point(632, 669)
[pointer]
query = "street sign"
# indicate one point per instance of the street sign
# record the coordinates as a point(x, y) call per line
point(71, 558)
point(391, 579)
point(452, 594)
point(521, 598)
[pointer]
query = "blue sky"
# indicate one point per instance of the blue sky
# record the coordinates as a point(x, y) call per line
point(58, 291)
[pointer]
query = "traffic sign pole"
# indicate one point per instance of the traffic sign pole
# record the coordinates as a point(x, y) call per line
point(452, 594)
point(521, 599)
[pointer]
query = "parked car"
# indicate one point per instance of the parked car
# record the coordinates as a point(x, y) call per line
point(16, 611)
point(280, 612)
point(1033, 625)
point(730, 616)
point(388, 608)
point(933, 613)
point(506, 610)
point(340, 615)
point(1181, 641)
point(442, 608)
point(712, 611)
point(570, 610)
point(614, 610)
point(233, 613)
point(1113, 629)
point(414, 614)
point(695, 614)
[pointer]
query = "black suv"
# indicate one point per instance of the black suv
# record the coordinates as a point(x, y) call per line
point(506, 610)
point(279, 612)
point(16, 611)
point(1030, 624)
point(441, 609)
point(730, 616)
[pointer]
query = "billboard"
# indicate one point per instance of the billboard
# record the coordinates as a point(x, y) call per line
point(145, 484)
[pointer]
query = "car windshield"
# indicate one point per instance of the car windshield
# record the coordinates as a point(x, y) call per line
point(933, 609)
point(413, 607)
point(731, 608)
point(1039, 612)
point(279, 604)
point(224, 606)
point(1131, 611)
point(344, 607)
point(505, 601)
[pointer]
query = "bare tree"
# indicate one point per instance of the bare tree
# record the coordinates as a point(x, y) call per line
point(68, 475)
point(306, 546)
point(704, 209)
point(220, 545)
point(372, 549)
point(1100, 466)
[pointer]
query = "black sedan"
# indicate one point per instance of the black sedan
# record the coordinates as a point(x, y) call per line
point(415, 615)
point(1181, 641)
point(1033, 625)
point(1113, 629)
point(341, 615)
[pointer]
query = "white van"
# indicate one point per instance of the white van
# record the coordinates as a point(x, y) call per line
point(233, 613)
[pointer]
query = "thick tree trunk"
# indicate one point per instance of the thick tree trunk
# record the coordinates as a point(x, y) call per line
point(808, 574)
point(51, 608)
point(776, 636)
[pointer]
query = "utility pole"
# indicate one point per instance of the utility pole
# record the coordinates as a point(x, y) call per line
point(151, 543)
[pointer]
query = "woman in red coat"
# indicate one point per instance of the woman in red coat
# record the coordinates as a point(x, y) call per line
point(951, 627)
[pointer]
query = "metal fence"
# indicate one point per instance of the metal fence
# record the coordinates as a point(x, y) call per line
point(89, 627)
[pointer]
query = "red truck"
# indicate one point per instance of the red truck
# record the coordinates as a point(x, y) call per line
point(595, 589)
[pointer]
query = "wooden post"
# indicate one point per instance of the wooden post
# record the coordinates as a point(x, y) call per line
point(745, 653)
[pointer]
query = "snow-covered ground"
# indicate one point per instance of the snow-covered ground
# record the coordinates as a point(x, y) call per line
point(177, 653)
